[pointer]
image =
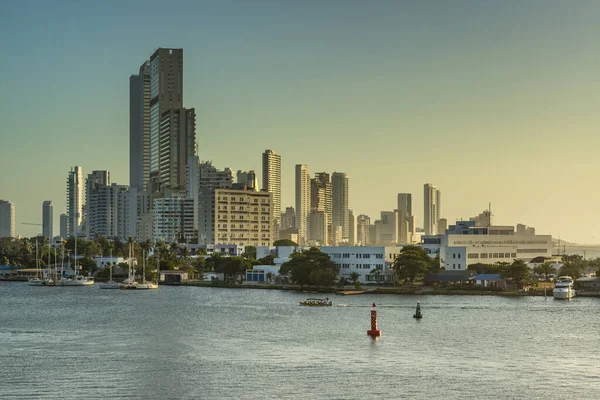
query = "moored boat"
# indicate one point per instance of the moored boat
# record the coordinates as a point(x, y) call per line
point(313, 302)
point(564, 288)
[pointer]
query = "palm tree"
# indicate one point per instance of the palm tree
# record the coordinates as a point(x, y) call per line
point(545, 269)
point(354, 276)
point(184, 255)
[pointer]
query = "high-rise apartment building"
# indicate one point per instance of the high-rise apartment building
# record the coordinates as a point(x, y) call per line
point(351, 228)
point(209, 179)
point(432, 204)
point(162, 132)
point(246, 179)
point(405, 203)
point(288, 218)
point(173, 219)
point(63, 226)
point(363, 223)
point(94, 181)
point(321, 195)
point(302, 202)
point(271, 164)
point(243, 217)
point(47, 219)
point(340, 215)
point(74, 200)
point(7, 219)
point(112, 212)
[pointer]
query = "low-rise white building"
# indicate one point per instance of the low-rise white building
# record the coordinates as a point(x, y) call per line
point(363, 260)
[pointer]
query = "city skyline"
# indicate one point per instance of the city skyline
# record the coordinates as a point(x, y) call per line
point(511, 91)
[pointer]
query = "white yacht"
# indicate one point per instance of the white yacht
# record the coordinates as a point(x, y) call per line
point(77, 281)
point(564, 288)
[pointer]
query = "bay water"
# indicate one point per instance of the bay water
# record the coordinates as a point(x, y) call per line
point(216, 343)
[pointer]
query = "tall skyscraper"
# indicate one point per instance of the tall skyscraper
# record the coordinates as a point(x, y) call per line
point(339, 181)
point(351, 228)
point(363, 224)
point(7, 219)
point(247, 179)
point(94, 199)
point(431, 204)
point(288, 218)
point(162, 132)
point(302, 202)
point(405, 203)
point(271, 174)
point(210, 179)
point(47, 219)
point(63, 226)
point(74, 200)
point(321, 194)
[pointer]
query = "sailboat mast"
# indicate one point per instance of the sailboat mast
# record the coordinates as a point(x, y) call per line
point(111, 264)
point(37, 260)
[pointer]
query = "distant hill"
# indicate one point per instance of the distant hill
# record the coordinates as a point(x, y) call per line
point(564, 243)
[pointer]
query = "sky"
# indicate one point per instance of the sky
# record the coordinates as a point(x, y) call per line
point(489, 101)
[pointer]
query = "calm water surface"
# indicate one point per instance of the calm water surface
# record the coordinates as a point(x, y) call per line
point(186, 342)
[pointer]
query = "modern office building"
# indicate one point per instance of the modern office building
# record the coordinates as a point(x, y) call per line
point(271, 164)
point(74, 201)
point(303, 200)
point(465, 243)
point(405, 203)
point(173, 219)
point(340, 216)
point(7, 219)
point(243, 217)
point(47, 219)
point(432, 206)
point(320, 228)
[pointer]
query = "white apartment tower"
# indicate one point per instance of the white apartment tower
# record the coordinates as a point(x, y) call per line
point(7, 219)
point(302, 202)
point(47, 219)
point(340, 216)
point(432, 204)
point(271, 164)
point(74, 200)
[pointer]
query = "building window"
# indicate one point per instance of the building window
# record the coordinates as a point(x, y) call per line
point(453, 255)
point(458, 255)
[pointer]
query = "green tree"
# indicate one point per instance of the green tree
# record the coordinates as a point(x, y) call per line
point(412, 263)
point(302, 265)
point(323, 277)
point(269, 259)
point(233, 267)
point(284, 242)
point(518, 272)
point(544, 270)
point(250, 252)
point(572, 269)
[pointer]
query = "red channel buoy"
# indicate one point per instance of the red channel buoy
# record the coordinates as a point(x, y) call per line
point(373, 332)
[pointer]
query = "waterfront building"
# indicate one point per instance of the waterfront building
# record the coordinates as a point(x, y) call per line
point(271, 164)
point(243, 217)
point(7, 219)
point(465, 243)
point(372, 263)
point(363, 222)
point(288, 218)
point(74, 200)
point(340, 215)
point(432, 207)
point(303, 199)
point(173, 219)
point(47, 219)
point(63, 226)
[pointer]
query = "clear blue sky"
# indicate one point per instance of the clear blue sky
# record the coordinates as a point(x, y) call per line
point(488, 100)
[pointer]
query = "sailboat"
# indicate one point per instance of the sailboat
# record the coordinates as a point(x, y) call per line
point(110, 284)
point(37, 281)
point(77, 280)
point(145, 285)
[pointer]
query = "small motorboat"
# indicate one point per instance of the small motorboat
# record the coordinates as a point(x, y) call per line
point(313, 302)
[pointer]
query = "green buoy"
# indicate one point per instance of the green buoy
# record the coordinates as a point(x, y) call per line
point(418, 314)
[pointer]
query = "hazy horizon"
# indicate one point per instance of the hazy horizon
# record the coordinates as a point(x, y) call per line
point(488, 101)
